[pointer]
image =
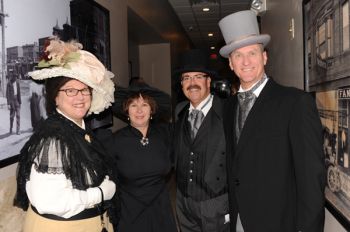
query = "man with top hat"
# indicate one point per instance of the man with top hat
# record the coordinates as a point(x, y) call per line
point(276, 172)
point(199, 148)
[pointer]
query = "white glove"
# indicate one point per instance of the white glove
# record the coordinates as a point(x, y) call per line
point(108, 188)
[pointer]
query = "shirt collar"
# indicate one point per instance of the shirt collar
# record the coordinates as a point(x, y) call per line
point(203, 106)
point(258, 90)
point(82, 123)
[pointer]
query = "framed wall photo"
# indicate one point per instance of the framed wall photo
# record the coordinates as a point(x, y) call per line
point(91, 29)
point(24, 28)
point(93, 32)
point(327, 73)
point(27, 25)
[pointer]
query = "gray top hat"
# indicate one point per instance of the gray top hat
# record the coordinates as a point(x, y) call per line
point(241, 29)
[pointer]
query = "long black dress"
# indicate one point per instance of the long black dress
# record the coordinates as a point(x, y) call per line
point(142, 170)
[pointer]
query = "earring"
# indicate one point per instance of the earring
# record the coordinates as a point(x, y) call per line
point(128, 119)
point(151, 117)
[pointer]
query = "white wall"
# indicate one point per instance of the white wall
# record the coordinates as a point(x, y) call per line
point(155, 65)
point(285, 54)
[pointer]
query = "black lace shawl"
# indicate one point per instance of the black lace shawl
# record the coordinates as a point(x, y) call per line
point(84, 163)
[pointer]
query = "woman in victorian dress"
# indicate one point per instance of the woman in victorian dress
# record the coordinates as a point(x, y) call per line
point(142, 153)
point(64, 176)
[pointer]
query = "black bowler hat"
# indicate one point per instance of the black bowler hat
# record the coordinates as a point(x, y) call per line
point(195, 60)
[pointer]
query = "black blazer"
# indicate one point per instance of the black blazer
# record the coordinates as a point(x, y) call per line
point(276, 172)
point(10, 94)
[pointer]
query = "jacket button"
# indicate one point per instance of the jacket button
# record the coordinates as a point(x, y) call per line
point(236, 182)
point(217, 178)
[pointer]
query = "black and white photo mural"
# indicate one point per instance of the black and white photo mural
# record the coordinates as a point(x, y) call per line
point(327, 74)
point(25, 27)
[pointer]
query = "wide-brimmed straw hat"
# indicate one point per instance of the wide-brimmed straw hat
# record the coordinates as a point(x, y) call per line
point(162, 99)
point(69, 60)
point(241, 29)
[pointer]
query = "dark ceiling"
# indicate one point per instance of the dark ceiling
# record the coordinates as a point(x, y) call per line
point(184, 24)
point(198, 23)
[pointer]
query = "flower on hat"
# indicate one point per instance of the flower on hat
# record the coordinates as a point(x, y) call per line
point(59, 53)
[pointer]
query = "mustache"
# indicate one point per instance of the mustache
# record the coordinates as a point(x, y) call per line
point(194, 87)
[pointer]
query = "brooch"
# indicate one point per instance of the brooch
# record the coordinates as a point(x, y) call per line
point(87, 138)
point(144, 141)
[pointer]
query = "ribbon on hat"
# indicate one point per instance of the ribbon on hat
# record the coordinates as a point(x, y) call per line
point(242, 38)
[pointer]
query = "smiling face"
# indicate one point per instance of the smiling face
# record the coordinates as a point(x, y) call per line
point(75, 107)
point(195, 86)
point(139, 112)
point(248, 64)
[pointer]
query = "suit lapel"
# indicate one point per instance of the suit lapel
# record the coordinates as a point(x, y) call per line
point(254, 117)
point(213, 129)
point(186, 128)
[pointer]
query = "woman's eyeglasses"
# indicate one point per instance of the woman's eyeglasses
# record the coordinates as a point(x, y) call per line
point(71, 92)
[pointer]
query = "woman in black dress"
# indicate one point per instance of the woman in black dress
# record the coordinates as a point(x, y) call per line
point(142, 153)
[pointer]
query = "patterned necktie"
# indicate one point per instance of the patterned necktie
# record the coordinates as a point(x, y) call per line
point(246, 101)
point(195, 118)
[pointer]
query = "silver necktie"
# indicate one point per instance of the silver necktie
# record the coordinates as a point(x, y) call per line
point(246, 101)
point(195, 118)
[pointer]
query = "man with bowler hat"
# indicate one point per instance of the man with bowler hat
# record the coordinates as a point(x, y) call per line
point(276, 172)
point(199, 147)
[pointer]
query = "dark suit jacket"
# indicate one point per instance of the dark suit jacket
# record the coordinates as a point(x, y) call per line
point(276, 172)
point(10, 94)
point(213, 135)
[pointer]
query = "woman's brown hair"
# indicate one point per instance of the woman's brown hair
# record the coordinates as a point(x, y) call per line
point(134, 96)
point(52, 87)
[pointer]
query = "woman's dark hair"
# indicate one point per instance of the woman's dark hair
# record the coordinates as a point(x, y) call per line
point(134, 96)
point(52, 86)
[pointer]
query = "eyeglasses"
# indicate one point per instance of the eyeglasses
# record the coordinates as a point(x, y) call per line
point(193, 78)
point(71, 92)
